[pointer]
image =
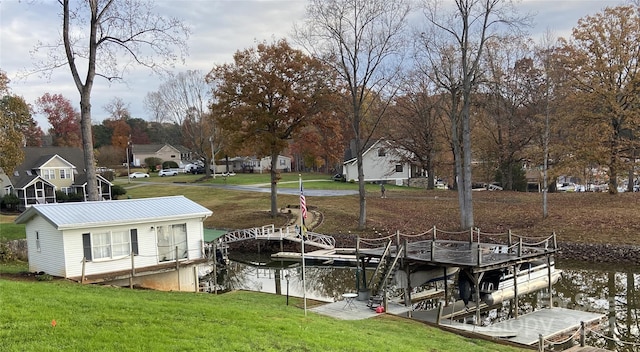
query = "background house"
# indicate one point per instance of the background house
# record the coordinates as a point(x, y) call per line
point(381, 162)
point(96, 241)
point(283, 164)
point(47, 170)
point(164, 152)
point(250, 164)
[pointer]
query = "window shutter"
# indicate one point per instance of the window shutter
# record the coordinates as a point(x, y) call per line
point(134, 241)
point(86, 243)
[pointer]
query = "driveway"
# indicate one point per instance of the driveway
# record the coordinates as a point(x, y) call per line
point(264, 188)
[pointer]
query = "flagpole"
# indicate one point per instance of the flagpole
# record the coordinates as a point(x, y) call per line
point(302, 229)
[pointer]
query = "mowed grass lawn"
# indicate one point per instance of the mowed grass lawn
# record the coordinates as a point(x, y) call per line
point(97, 318)
point(574, 217)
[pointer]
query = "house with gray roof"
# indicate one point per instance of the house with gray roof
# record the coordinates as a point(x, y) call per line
point(382, 161)
point(152, 242)
point(46, 170)
point(164, 152)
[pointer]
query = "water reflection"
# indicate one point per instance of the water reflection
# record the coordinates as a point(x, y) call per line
point(613, 291)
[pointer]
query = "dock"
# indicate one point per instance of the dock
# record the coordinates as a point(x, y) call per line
point(528, 327)
point(525, 330)
point(321, 255)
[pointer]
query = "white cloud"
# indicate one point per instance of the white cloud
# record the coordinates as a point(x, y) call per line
point(219, 29)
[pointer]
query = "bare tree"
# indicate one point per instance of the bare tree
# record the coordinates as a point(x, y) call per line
point(117, 109)
point(543, 53)
point(363, 41)
point(454, 42)
point(107, 37)
point(184, 98)
point(414, 124)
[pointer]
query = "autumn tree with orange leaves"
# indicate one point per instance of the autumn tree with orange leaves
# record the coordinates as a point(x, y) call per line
point(601, 63)
point(267, 95)
point(64, 120)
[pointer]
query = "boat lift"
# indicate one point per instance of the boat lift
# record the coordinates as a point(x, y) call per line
point(475, 253)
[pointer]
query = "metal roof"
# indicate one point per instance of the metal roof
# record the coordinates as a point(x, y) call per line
point(101, 213)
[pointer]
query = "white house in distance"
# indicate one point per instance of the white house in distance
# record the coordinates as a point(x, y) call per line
point(152, 242)
point(252, 164)
point(381, 161)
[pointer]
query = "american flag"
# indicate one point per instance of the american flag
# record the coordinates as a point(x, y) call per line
point(303, 202)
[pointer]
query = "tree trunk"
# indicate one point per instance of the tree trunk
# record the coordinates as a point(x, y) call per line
point(467, 219)
point(87, 145)
point(274, 184)
point(362, 220)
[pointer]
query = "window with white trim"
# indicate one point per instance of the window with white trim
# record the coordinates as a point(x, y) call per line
point(110, 244)
point(49, 174)
point(399, 168)
point(172, 239)
point(65, 173)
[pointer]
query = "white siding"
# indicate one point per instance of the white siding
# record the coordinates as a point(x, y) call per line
point(377, 168)
point(147, 247)
point(50, 258)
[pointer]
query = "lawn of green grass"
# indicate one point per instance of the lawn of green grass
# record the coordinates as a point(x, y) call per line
point(95, 318)
point(8, 230)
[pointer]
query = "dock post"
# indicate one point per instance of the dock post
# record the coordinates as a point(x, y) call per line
point(476, 279)
point(550, 283)
point(433, 249)
point(84, 263)
point(583, 334)
point(515, 290)
point(133, 271)
point(520, 247)
point(479, 255)
point(178, 270)
point(439, 316)
point(446, 287)
point(215, 269)
point(540, 343)
point(509, 238)
point(470, 237)
point(434, 233)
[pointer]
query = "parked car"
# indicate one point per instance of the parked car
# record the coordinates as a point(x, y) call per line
point(167, 172)
point(138, 175)
point(197, 170)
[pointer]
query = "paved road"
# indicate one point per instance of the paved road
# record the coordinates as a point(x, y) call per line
point(262, 188)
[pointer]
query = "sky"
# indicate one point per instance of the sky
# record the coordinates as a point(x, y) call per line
point(219, 28)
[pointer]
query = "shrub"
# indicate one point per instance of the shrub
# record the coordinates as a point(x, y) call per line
point(75, 197)
point(152, 162)
point(42, 276)
point(61, 197)
point(117, 191)
point(109, 175)
point(10, 201)
point(170, 165)
point(6, 254)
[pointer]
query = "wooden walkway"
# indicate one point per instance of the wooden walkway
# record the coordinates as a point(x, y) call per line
point(270, 233)
point(322, 255)
point(546, 322)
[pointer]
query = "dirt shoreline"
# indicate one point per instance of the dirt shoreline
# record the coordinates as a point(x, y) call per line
point(600, 253)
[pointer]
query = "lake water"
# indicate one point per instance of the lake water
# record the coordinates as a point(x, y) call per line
point(610, 290)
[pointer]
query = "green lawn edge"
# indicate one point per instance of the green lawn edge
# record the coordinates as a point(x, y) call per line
point(98, 318)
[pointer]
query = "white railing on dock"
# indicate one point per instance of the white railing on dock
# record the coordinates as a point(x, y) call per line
point(289, 233)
